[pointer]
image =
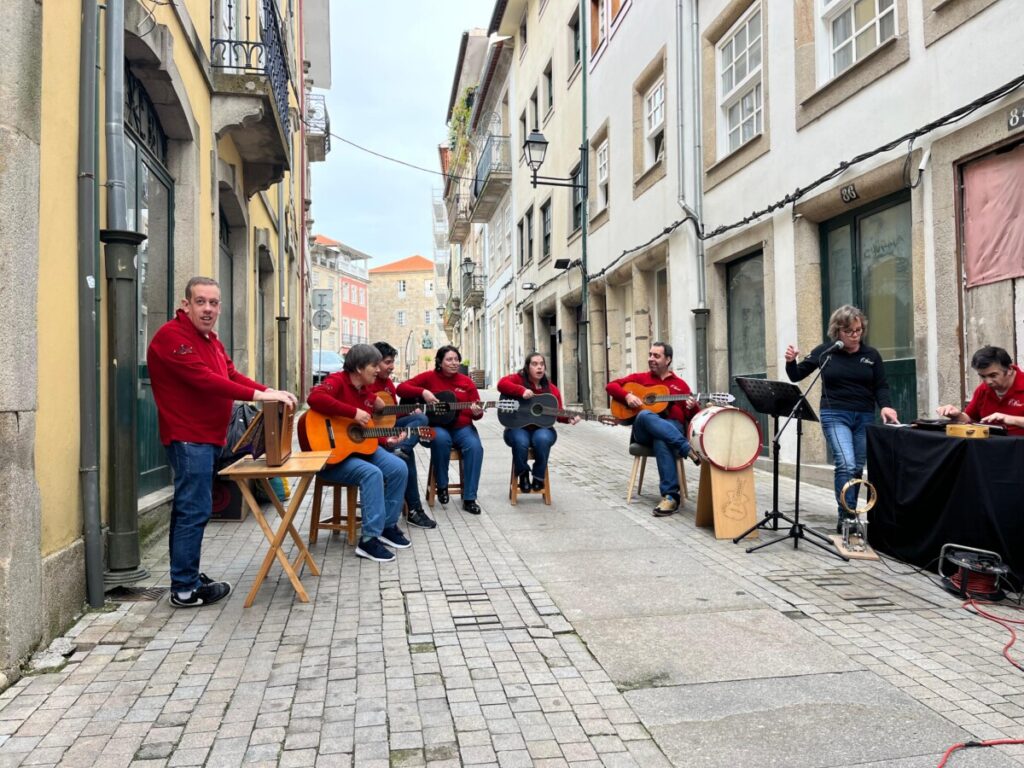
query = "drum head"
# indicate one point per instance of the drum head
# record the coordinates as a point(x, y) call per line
point(727, 437)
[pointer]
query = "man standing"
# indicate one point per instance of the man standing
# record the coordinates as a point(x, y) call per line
point(194, 385)
point(404, 450)
point(666, 432)
point(999, 399)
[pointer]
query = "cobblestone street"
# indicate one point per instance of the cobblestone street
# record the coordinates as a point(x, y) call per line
point(586, 633)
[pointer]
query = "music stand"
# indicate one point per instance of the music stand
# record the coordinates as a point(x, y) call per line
point(775, 399)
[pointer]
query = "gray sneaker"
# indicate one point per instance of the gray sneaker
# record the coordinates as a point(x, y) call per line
point(417, 518)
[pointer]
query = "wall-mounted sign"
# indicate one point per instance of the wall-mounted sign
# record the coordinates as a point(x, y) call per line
point(848, 193)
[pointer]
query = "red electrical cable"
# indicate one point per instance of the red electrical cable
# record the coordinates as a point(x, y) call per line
point(966, 744)
point(1001, 621)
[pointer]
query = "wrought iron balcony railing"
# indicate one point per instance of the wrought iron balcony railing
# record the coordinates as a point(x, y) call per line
point(318, 127)
point(496, 157)
point(253, 44)
point(474, 287)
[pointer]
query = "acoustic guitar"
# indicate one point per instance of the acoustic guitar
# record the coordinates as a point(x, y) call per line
point(656, 399)
point(444, 412)
point(388, 415)
point(346, 437)
point(542, 410)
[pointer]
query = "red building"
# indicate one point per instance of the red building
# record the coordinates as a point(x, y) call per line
point(342, 269)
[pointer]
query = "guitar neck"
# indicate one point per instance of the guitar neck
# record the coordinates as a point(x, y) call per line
point(389, 410)
point(675, 398)
point(463, 406)
point(382, 431)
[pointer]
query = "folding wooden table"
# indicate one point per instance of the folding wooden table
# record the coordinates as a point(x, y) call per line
point(303, 466)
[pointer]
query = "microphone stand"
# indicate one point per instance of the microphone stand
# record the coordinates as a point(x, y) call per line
point(798, 530)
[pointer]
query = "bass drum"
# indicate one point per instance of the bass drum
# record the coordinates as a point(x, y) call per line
point(727, 437)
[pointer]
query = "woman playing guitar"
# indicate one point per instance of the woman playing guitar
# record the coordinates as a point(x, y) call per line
point(381, 477)
point(531, 380)
point(462, 434)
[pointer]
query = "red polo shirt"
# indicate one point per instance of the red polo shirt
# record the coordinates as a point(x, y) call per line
point(681, 411)
point(985, 402)
point(460, 384)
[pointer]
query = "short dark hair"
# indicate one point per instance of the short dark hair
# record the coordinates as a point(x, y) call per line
point(385, 349)
point(987, 356)
point(444, 351)
point(199, 280)
point(666, 347)
point(360, 356)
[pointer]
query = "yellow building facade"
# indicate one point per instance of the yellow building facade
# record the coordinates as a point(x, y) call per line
point(207, 101)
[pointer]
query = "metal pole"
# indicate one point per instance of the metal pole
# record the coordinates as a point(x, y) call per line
point(582, 332)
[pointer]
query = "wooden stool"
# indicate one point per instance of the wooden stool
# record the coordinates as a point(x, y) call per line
point(513, 482)
point(640, 454)
point(348, 522)
point(454, 489)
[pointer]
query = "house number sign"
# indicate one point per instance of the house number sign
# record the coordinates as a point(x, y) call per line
point(848, 193)
point(1015, 117)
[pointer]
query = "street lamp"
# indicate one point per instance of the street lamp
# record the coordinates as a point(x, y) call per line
point(535, 149)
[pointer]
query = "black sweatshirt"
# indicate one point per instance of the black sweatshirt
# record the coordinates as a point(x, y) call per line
point(850, 381)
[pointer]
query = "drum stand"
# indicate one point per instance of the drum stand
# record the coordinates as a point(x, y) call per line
point(776, 398)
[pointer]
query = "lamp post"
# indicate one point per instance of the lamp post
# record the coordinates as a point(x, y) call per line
point(535, 149)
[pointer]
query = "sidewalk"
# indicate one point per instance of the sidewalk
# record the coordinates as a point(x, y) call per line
point(587, 633)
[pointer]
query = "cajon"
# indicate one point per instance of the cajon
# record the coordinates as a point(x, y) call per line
point(726, 501)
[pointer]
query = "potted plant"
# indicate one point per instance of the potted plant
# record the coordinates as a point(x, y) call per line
point(464, 366)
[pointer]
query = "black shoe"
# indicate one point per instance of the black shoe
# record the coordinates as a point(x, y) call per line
point(417, 518)
point(524, 481)
point(372, 549)
point(442, 495)
point(394, 537)
point(207, 593)
point(472, 507)
point(538, 485)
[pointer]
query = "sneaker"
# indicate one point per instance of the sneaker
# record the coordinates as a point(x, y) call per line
point(399, 453)
point(417, 518)
point(524, 482)
point(372, 549)
point(442, 495)
point(394, 537)
point(472, 507)
point(537, 486)
point(666, 506)
point(207, 593)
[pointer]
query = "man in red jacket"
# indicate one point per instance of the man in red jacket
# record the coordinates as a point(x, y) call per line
point(665, 432)
point(194, 385)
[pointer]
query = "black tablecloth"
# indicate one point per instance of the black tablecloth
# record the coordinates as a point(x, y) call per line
point(933, 489)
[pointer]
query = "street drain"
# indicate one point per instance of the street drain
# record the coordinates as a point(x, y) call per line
point(136, 594)
point(472, 610)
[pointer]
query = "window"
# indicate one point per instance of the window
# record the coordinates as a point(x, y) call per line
point(549, 91)
point(598, 24)
point(602, 175)
point(428, 317)
point(521, 233)
point(534, 110)
point(522, 35)
point(529, 235)
point(574, 40)
point(428, 287)
point(739, 62)
point(401, 317)
point(344, 291)
point(855, 28)
point(344, 326)
point(362, 297)
point(545, 225)
point(401, 288)
point(523, 130)
point(362, 331)
point(577, 199)
point(654, 124)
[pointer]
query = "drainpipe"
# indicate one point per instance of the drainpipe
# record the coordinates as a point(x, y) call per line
point(583, 328)
point(123, 556)
point(282, 315)
point(696, 212)
point(88, 296)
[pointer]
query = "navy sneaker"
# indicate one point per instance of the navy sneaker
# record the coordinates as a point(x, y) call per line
point(372, 549)
point(207, 593)
point(419, 519)
point(394, 537)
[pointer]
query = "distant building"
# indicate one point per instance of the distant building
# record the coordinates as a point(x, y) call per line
point(340, 269)
point(405, 313)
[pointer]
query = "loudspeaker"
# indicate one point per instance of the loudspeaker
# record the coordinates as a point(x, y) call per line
point(227, 501)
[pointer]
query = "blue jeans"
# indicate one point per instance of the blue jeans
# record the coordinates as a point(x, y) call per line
point(192, 464)
point(520, 440)
point(466, 440)
point(412, 486)
point(381, 480)
point(847, 436)
point(667, 439)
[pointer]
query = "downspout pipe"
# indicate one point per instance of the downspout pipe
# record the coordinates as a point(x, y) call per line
point(121, 252)
point(88, 357)
point(583, 331)
point(282, 313)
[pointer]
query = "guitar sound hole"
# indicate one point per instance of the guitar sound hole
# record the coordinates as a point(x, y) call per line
point(536, 409)
point(649, 400)
point(355, 433)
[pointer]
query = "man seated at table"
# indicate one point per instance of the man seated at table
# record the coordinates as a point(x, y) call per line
point(380, 476)
point(403, 450)
point(999, 399)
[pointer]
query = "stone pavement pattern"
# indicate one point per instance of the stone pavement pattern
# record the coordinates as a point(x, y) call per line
point(587, 633)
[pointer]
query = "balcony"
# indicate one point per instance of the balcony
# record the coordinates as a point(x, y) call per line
point(474, 285)
point(248, 56)
point(451, 313)
point(458, 218)
point(493, 176)
point(318, 128)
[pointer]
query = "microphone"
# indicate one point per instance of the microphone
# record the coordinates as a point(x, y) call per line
point(834, 348)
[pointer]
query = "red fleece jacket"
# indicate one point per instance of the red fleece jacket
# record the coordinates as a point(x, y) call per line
point(681, 411)
point(512, 385)
point(460, 384)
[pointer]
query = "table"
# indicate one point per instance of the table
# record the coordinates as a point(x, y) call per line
point(934, 489)
point(299, 465)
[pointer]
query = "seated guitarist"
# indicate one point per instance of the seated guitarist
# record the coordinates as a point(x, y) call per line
point(381, 477)
point(462, 434)
point(531, 380)
point(403, 450)
point(666, 432)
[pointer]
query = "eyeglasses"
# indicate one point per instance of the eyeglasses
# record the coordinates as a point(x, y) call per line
point(852, 331)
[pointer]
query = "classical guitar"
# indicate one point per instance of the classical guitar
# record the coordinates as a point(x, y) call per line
point(542, 410)
point(345, 437)
point(388, 415)
point(444, 412)
point(657, 398)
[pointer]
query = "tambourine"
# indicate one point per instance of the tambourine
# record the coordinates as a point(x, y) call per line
point(872, 497)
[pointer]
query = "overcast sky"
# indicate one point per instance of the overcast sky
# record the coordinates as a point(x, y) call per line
point(392, 64)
